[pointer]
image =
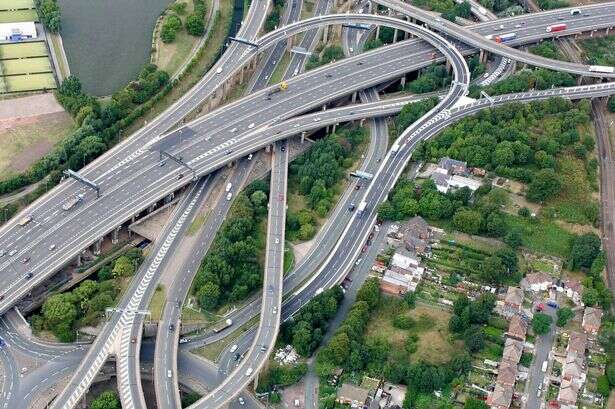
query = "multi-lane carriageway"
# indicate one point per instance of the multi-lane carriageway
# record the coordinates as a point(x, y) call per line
point(359, 70)
point(135, 179)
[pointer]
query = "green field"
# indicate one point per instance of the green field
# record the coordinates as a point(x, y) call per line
point(26, 66)
point(19, 83)
point(16, 4)
point(21, 50)
point(18, 16)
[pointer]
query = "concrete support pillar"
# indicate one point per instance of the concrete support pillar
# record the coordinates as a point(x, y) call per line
point(449, 67)
point(402, 83)
point(333, 128)
point(267, 148)
point(327, 129)
point(133, 219)
point(152, 207)
point(483, 55)
point(79, 260)
point(580, 80)
point(241, 74)
point(607, 30)
point(369, 7)
point(325, 34)
point(362, 122)
point(115, 236)
point(97, 246)
point(303, 136)
point(354, 97)
point(377, 31)
point(169, 197)
point(289, 43)
point(394, 36)
point(324, 107)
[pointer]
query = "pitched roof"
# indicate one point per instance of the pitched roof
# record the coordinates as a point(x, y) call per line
point(573, 367)
point(500, 397)
point(447, 163)
point(440, 179)
point(577, 342)
point(514, 296)
point(507, 373)
point(538, 278)
point(574, 285)
point(592, 316)
point(352, 393)
point(513, 349)
point(417, 223)
point(517, 327)
point(394, 278)
point(568, 391)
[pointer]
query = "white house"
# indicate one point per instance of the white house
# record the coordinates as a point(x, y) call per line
point(537, 282)
point(17, 31)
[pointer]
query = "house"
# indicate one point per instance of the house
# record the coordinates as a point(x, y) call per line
point(404, 262)
point(507, 373)
point(460, 181)
point(513, 349)
point(592, 318)
point(441, 181)
point(501, 397)
point(513, 300)
point(480, 172)
point(418, 227)
point(394, 283)
point(577, 343)
point(352, 395)
point(453, 166)
point(574, 290)
point(568, 392)
point(416, 245)
point(18, 31)
point(573, 368)
point(537, 282)
point(517, 328)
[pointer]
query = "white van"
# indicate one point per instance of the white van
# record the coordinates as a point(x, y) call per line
point(229, 186)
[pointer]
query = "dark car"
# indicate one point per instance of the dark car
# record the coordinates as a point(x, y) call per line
point(25, 260)
point(357, 187)
point(29, 276)
point(171, 327)
point(181, 175)
point(351, 207)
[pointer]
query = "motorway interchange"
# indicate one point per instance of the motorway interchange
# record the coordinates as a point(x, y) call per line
point(131, 178)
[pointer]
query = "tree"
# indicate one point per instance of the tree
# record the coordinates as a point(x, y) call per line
point(545, 185)
point(564, 314)
point(467, 221)
point(195, 25)
point(474, 339)
point(514, 238)
point(50, 14)
point(339, 347)
point(493, 270)
point(106, 400)
point(123, 267)
point(370, 292)
point(209, 295)
point(169, 28)
point(541, 323)
point(584, 250)
point(59, 309)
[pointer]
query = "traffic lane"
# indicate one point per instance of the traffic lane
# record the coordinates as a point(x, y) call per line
point(154, 182)
point(10, 380)
point(542, 347)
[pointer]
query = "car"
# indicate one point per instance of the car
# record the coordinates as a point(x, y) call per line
point(234, 130)
point(357, 187)
point(12, 253)
point(29, 276)
point(560, 18)
point(169, 374)
point(1, 343)
point(25, 260)
point(229, 186)
point(249, 371)
point(233, 348)
point(277, 241)
point(369, 242)
point(228, 152)
point(250, 156)
point(171, 327)
point(52, 247)
point(317, 119)
point(241, 401)
point(283, 148)
point(296, 72)
point(351, 50)
point(162, 163)
point(351, 207)
point(219, 70)
point(371, 236)
point(181, 175)
point(1, 297)
point(251, 125)
point(328, 76)
point(358, 261)
point(517, 25)
point(274, 310)
point(2, 253)
point(360, 63)
point(263, 348)
point(364, 249)
point(229, 195)
point(236, 357)
point(498, 28)
point(438, 19)
point(133, 340)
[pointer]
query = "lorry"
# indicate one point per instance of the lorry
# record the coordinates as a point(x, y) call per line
point(395, 148)
point(25, 220)
point(545, 364)
point(362, 175)
point(601, 68)
point(505, 37)
point(72, 201)
point(556, 27)
point(361, 208)
point(223, 325)
point(282, 86)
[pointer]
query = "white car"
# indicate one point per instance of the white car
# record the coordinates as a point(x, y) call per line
point(233, 348)
point(250, 156)
point(249, 371)
point(229, 195)
point(169, 374)
point(229, 186)
point(275, 310)
point(251, 125)
point(277, 241)
point(52, 247)
point(241, 401)
point(233, 130)
point(219, 70)
point(12, 252)
point(317, 119)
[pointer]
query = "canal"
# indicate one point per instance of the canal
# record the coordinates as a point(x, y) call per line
point(108, 41)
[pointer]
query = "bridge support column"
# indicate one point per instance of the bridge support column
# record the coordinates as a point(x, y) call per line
point(354, 97)
point(303, 136)
point(377, 31)
point(402, 83)
point(607, 30)
point(369, 7)
point(97, 246)
point(449, 67)
point(580, 80)
point(79, 260)
point(169, 197)
point(289, 43)
point(152, 207)
point(362, 122)
point(333, 128)
point(482, 56)
point(394, 36)
point(115, 235)
point(267, 148)
point(325, 34)
point(241, 74)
